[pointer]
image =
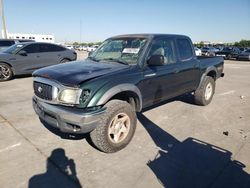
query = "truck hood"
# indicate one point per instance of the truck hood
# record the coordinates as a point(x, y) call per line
point(76, 72)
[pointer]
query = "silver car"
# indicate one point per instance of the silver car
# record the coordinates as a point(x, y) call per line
point(24, 58)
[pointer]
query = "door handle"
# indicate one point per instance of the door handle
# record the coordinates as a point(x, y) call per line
point(37, 56)
point(150, 75)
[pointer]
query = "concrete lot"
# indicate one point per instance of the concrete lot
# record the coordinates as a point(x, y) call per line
point(176, 144)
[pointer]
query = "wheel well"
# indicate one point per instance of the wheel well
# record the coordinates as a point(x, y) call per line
point(130, 97)
point(212, 74)
point(6, 63)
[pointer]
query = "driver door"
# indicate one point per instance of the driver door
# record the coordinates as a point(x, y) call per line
point(26, 64)
point(161, 82)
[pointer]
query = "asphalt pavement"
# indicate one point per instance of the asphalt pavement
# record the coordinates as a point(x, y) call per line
point(176, 144)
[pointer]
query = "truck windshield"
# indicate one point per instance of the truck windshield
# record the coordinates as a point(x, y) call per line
point(120, 50)
point(13, 49)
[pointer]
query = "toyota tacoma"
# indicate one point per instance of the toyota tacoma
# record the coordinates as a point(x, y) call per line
point(127, 73)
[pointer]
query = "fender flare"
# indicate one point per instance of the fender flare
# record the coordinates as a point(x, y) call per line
point(118, 89)
point(209, 69)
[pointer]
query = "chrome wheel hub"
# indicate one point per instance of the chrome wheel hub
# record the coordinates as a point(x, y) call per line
point(4, 72)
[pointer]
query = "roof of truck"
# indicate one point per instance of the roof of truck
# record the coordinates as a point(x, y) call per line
point(148, 35)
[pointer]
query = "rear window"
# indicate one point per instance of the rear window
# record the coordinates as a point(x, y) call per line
point(185, 49)
point(6, 43)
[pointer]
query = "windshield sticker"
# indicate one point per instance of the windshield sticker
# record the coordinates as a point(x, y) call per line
point(131, 50)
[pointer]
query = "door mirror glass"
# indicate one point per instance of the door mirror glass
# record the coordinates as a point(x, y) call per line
point(22, 53)
point(156, 60)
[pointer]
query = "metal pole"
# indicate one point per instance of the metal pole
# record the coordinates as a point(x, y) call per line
point(3, 20)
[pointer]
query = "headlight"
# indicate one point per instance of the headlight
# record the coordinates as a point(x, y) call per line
point(70, 96)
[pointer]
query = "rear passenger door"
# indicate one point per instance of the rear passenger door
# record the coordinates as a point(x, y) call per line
point(47, 55)
point(189, 66)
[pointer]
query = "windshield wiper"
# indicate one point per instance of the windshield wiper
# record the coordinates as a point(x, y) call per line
point(116, 60)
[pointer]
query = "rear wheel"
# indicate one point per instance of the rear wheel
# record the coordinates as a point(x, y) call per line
point(117, 127)
point(228, 57)
point(203, 95)
point(5, 72)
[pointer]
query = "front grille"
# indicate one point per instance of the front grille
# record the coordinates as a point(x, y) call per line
point(43, 91)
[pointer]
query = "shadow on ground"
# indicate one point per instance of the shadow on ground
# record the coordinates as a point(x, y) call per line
point(192, 163)
point(58, 166)
point(67, 135)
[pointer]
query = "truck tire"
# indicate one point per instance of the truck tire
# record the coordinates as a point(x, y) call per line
point(204, 94)
point(117, 127)
point(5, 72)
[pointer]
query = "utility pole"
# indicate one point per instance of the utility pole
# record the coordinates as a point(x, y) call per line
point(80, 31)
point(3, 20)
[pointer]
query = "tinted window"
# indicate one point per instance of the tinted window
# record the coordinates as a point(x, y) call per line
point(57, 48)
point(164, 47)
point(31, 48)
point(6, 43)
point(184, 48)
point(50, 48)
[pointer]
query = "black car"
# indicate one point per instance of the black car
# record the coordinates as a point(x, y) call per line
point(5, 43)
point(229, 52)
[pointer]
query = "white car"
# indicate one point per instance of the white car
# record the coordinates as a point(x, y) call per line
point(197, 51)
point(92, 48)
point(70, 47)
point(82, 48)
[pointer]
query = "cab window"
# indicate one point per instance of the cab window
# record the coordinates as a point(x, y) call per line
point(164, 47)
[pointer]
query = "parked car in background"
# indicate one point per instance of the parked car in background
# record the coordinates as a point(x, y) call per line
point(70, 47)
point(242, 49)
point(197, 51)
point(244, 55)
point(209, 51)
point(92, 48)
point(5, 43)
point(82, 48)
point(229, 52)
point(24, 58)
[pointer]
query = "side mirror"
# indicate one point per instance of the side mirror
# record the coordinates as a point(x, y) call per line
point(22, 53)
point(156, 60)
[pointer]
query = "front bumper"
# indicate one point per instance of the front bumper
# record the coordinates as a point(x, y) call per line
point(67, 119)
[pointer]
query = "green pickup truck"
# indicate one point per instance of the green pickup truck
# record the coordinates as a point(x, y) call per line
point(127, 73)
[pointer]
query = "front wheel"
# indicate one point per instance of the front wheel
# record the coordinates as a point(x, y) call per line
point(117, 127)
point(5, 72)
point(204, 94)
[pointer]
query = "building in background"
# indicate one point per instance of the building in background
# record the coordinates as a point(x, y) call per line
point(36, 37)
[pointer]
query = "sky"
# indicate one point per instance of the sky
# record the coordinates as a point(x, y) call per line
point(96, 20)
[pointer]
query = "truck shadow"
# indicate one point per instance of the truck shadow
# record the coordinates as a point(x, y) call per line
point(186, 98)
point(192, 162)
point(60, 172)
